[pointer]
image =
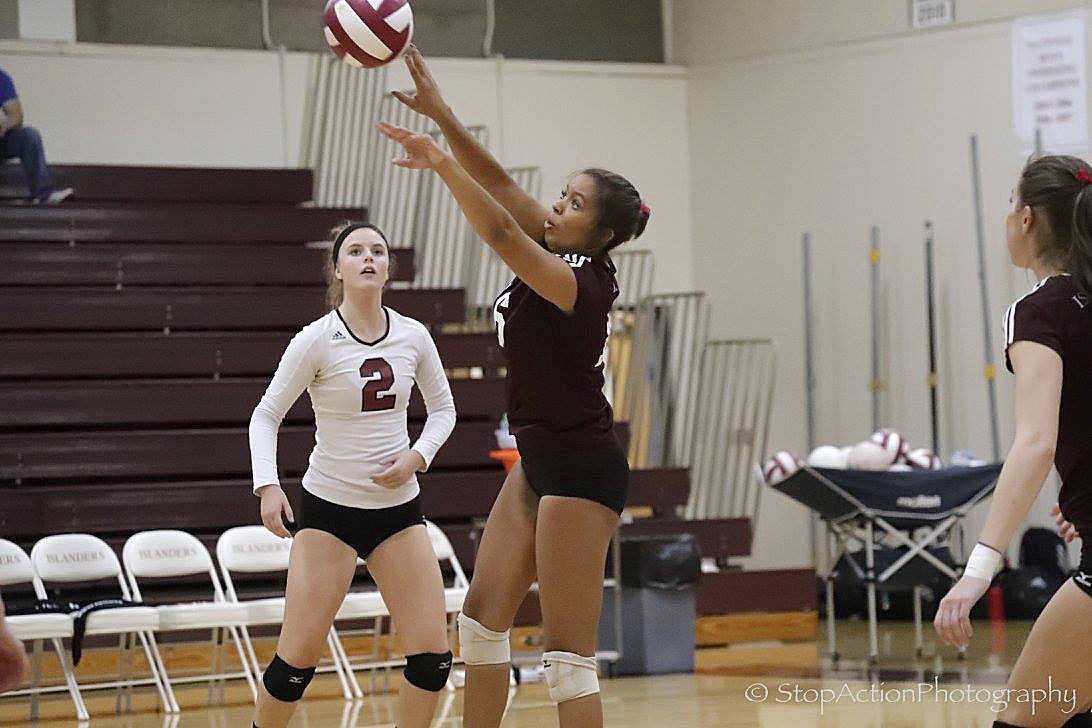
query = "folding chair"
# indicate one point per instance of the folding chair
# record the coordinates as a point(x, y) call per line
point(16, 568)
point(81, 557)
point(253, 549)
point(358, 606)
point(455, 594)
point(176, 553)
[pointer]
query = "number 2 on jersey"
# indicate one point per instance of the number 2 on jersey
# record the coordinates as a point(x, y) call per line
point(379, 377)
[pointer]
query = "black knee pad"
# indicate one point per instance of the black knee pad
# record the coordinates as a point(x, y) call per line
point(284, 682)
point(428, 670)
point(1080, 720)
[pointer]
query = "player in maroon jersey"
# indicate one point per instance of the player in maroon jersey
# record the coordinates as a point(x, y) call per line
point(559, 506)
point(1048, 346)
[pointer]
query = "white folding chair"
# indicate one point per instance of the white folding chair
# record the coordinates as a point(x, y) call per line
point(369, 604)
point(176, 553)
point(80, 557)
point(16, 568)
point(253, 549)
point(455, 594)
point(359, 606)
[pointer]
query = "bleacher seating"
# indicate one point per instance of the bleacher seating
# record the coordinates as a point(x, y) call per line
point(138, 328)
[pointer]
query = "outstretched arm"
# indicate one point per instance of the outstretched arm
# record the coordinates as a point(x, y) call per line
point(547, 274)
point(528, 213)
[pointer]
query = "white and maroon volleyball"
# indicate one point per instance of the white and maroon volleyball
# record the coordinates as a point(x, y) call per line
point(368, 33)
point(779, 467)
point(923, 459)
point(868, 456)
point(893, 444)
point(827, 456)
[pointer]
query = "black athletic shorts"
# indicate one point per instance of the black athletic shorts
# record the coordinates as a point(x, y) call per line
point(362, 529)
point(592, 467)
point(1083, 576)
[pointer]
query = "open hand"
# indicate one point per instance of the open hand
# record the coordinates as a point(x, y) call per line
point(426, 99)
point(398, 470)
point(422, 152)
point(953, 620)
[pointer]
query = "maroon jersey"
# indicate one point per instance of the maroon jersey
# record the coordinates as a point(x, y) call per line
point(556, 360)
point(1058, 314)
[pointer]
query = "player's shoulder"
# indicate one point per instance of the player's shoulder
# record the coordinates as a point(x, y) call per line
point(407, 325)
point(326, 327)
point(1058, 295)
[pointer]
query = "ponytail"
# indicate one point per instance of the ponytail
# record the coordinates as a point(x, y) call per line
point(1080, 259)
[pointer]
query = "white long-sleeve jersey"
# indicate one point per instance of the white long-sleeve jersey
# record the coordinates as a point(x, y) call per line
point(360, 393)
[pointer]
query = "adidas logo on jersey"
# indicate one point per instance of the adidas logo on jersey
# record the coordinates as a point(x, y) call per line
point(338, 336)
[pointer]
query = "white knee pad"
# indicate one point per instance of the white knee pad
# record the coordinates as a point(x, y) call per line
point(479, 645)
point(570, 676)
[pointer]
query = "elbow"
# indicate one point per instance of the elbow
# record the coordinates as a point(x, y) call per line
point(503, 234)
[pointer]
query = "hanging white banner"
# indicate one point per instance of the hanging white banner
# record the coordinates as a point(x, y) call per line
point(1049, 81)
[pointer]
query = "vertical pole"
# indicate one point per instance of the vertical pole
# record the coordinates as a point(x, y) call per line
point(930, 311)
point(809, 382)
point(875, 386)
point(267, 37)
point(809, 370)
point(1038, 142)
point(987, 329)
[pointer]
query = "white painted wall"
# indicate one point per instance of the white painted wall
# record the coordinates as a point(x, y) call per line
point(185, 106)
point(833, 140)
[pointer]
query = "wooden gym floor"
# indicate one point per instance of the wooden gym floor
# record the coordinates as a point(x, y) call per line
point(763, 684)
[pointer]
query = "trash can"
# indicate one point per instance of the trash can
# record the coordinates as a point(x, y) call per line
point(659, 585)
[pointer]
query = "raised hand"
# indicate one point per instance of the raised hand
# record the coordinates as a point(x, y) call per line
point(426, 99)
point(422, 151)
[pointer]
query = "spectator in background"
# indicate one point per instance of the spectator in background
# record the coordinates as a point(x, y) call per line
point(13, 658)
point(24, 142)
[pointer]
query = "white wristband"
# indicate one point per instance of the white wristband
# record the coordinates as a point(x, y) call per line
point(983, 562)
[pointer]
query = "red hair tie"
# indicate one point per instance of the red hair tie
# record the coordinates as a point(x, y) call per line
point(645, 211)
point(1084, 176)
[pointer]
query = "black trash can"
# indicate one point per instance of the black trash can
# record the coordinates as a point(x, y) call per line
point(659, 587)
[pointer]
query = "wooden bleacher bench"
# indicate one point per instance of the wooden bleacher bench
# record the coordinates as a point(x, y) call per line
point(103, 308)
point(184, 222)
point(43, 404)
point(173, 264)
point(126, 183)
point(186, 354)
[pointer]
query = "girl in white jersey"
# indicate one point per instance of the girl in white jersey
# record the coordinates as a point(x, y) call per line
point(358, 363)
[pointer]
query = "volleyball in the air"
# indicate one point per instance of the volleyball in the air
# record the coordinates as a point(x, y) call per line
point(368, 33)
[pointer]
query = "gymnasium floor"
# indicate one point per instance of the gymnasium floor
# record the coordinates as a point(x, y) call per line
point(729, 691)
